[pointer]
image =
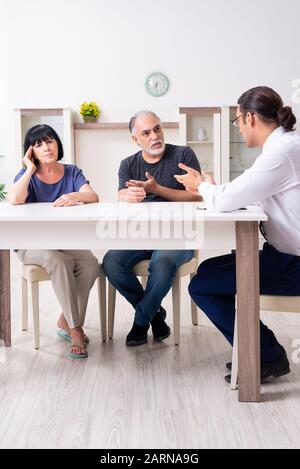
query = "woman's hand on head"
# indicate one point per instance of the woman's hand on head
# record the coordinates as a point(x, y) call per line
point(28, 160)
point(66, 200)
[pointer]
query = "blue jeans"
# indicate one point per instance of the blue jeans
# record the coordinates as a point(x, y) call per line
point(213, 289)
point(118, 267)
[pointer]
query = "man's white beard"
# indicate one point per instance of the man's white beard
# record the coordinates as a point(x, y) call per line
point(155, 152)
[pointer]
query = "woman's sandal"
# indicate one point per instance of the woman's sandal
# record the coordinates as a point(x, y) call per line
point(65, 336)
point(76, 355)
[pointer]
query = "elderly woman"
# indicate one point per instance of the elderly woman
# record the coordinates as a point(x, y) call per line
point(73, 273)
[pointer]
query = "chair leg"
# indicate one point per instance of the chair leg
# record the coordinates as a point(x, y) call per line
point(234, 365)
point(194, 309)
point(34, 288)
point(111, 309)
point(176, 296)
point(24, 305)
point(101, 282)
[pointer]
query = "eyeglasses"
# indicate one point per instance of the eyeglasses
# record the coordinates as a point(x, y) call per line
point(235, 121)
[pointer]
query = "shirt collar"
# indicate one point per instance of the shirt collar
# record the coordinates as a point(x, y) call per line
point(276, 134)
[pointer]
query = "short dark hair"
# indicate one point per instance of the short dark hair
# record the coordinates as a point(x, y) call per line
point(41, 133)
point(268, 104)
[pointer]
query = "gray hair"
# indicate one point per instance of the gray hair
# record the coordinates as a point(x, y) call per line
point(140, 114)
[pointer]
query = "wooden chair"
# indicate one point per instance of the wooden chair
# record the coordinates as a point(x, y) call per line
point(31, 276)
point(141, 270)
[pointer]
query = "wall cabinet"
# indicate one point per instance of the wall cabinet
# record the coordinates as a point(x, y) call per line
point(217, 143)
point(236, 157)
point(200, 129)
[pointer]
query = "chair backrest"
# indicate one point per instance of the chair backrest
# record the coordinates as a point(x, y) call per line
point(197, 255)
point(287, 304)
point(141, 268)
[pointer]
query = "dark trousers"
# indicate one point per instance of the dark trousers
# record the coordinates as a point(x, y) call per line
point(213, 289)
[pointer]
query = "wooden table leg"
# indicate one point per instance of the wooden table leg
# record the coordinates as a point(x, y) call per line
point(247, 268)
point(5, 326)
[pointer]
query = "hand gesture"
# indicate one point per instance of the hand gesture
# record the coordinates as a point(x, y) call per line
point(208, 178)
point(191, 180)
point(28, 160)
point(149, 186)
point(135, 194)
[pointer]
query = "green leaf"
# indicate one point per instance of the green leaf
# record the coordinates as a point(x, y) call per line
point(2, 192)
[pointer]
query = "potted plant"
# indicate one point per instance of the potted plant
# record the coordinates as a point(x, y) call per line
point(2, 192)
point(2, 187)
point(90, 111)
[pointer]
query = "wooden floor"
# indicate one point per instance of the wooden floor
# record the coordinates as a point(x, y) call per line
point(152, 396)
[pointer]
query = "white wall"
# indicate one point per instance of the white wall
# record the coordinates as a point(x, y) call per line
point(57, 54)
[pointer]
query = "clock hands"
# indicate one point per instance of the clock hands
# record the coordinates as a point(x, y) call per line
point(157, 84)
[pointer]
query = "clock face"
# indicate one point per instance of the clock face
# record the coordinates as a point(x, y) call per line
point(157, 84)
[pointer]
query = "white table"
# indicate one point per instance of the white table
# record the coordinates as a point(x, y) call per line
point(145, 226)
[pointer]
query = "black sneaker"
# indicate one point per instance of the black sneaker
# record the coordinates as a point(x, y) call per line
point(275, 369)
point(160, 328)
point(137, 335)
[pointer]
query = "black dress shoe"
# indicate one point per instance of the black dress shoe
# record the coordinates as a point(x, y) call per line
point(229, 364)
point(275, 369)
point(137, 335)
point(160, 328)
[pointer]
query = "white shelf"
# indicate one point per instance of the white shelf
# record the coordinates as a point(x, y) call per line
point(197, 142)
point(208, 152)
point(116, 125)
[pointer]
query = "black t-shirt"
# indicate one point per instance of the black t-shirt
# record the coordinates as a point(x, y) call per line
point(135, 167)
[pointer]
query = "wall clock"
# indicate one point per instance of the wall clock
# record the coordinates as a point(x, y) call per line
point(157, 84)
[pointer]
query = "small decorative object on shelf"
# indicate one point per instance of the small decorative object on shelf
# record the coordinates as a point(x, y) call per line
point(90, 111)
point(202, 134)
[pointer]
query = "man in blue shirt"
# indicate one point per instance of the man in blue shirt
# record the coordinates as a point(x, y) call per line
point(147, 176)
